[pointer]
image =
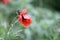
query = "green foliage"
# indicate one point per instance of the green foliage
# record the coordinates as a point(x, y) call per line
point(45, 20)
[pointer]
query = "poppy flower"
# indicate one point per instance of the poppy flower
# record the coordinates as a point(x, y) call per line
point(6, 1)
point(25, 19)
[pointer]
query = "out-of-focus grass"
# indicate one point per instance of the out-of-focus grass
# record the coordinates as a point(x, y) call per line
point(45, 21)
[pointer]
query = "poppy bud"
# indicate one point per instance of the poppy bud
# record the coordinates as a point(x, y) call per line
point(6, 1)
point(25, 19)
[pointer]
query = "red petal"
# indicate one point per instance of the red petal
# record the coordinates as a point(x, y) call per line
point(26, 16)
point(27, 23)
point(24, 12)
point(6, 1)
point(20, 19)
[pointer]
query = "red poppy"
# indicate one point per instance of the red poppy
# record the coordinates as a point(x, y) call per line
point(25, 19)
point(6, 1)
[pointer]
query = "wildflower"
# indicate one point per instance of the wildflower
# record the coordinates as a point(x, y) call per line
point(25, 19)
point(6, 1)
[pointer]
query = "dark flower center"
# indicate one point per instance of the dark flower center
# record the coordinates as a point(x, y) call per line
point(23, 18)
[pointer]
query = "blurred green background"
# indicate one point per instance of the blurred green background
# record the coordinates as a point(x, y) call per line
point(45, 15)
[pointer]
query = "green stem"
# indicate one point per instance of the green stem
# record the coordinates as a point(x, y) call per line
point(8, 27)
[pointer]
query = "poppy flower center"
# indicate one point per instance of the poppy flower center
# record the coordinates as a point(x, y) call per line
point(23, 18)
